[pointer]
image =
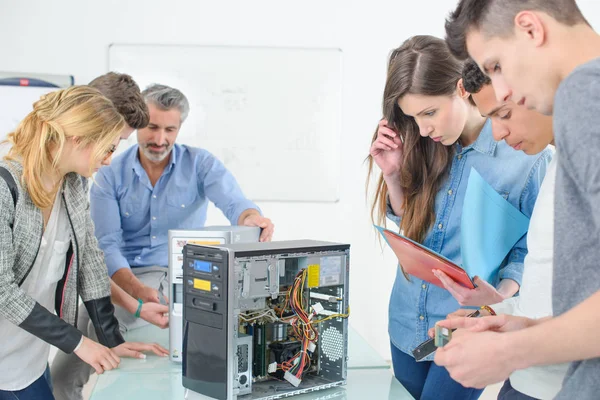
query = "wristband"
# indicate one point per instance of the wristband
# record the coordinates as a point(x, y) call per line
point(139, 309)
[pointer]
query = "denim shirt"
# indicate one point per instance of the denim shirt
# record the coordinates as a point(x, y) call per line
point(132, 217)
point(415, 305)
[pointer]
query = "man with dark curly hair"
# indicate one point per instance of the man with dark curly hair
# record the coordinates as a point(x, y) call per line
point(521, 128)
point(530, 132)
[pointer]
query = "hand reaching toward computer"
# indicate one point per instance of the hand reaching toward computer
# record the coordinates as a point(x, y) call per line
point(255, 219)
point(149, 295)
point(156, 314)
point(151, 311)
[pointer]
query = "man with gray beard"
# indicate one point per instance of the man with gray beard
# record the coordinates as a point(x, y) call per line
point(159, 185)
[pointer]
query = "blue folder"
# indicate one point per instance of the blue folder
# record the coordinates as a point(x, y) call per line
point(490, 227)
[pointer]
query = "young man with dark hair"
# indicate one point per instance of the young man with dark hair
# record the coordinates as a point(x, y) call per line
point(530, 132)
point(544, 55)
point(523, 129)
point(495, 19)
point(125, 94)
point(127, 97)
point(473, 79)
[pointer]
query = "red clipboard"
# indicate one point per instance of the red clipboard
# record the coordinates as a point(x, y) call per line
point(418, 261)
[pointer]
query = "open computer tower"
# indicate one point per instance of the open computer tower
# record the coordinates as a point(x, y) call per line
point(210, 235)
point(264, 320)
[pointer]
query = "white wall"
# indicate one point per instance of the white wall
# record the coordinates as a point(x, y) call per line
point(72, 37)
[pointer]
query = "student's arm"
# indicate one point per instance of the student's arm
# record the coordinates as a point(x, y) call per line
point(518, 343)
point(483, 294)
point(510, 306)
point(15, 305)
point(544, 342)
point(221, 188)
point(154, 313)
point(104, 209)
point(507, 288)
point(95, 288)
point(387, 152)
point(134, 287)
point(122, 298)
point(395, 199)
point(394, 210)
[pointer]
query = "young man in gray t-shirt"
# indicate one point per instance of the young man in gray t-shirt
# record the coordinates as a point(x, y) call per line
point(544, 55)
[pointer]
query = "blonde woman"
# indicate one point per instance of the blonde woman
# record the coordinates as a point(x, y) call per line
point(49, 256)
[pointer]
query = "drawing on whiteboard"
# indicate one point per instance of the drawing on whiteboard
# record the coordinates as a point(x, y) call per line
point(232, 99)
point(231, 157)
point(228, 157)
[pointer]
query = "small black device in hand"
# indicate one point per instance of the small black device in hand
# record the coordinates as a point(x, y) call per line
point(428, 346)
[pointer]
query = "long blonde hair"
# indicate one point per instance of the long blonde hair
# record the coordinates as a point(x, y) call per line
point(79, 111)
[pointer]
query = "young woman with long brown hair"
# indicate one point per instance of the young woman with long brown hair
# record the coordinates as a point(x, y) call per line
point(431, 136)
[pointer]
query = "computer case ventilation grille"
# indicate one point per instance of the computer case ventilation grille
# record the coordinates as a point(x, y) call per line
point(244, 364)
point(242, 353)
point(332, 341)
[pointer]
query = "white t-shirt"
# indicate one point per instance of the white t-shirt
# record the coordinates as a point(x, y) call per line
point(535, 294)
point(23, 356)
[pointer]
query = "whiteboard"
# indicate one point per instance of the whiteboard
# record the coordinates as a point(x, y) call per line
point(271, 115)
point(16, 102)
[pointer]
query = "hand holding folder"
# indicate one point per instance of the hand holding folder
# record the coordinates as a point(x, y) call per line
point(490, 227)
point(484, 293)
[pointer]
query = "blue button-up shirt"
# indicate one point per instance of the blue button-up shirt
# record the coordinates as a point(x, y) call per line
point(132, 217)
point(416, 305)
